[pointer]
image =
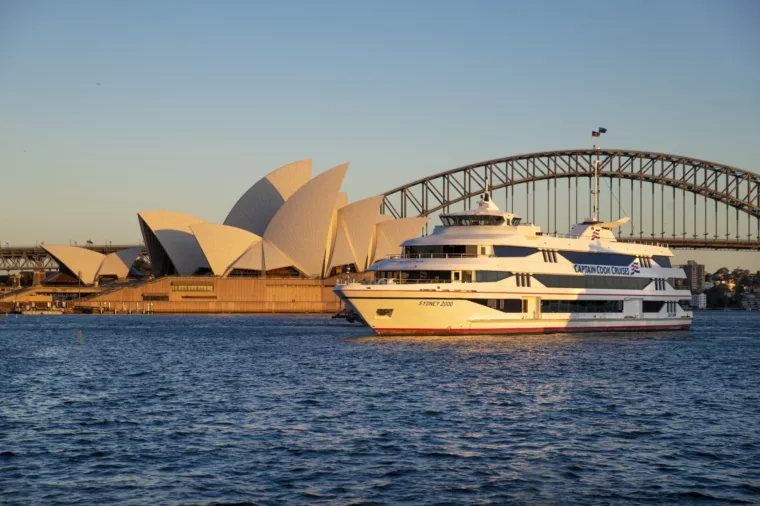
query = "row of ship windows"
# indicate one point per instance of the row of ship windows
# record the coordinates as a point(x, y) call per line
point(548, 280)
point(579, 306)
point(549, 256)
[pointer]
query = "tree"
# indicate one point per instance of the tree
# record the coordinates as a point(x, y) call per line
point(738, 274)
point(721, 274)
point(717, 297)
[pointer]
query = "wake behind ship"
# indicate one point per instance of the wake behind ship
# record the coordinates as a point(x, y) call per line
point(484, 272)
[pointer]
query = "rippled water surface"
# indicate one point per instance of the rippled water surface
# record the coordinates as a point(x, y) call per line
point(272, 410)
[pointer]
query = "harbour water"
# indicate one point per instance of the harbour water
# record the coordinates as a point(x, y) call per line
point(273, 410)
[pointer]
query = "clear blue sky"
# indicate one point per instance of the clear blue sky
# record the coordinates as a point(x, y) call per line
point(198, 100)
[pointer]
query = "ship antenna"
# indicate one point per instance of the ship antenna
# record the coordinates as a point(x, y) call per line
point(597, 133)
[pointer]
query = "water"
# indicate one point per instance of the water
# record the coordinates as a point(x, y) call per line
point(273, 410)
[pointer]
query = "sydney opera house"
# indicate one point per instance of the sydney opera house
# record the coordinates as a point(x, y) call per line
point(287, 225)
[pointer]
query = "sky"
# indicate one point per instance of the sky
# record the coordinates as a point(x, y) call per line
point(111, 108)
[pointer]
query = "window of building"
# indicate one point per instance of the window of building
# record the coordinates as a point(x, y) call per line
point(192, 288)
point(155, 297)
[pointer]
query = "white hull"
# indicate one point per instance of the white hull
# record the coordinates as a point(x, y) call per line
point(437, 312)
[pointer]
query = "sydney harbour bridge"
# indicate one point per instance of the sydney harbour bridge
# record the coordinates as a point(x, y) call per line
point(683, 202)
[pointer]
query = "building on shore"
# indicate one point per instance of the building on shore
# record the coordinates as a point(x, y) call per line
point(699, 301)
point(695, 275)
point(287, 226)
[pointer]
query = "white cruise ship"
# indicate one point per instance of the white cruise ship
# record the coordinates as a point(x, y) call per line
point(483, 272)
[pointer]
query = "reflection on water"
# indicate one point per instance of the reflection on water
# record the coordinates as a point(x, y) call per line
point(271, 409)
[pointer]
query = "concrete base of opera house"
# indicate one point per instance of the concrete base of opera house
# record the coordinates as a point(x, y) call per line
point(216, 295)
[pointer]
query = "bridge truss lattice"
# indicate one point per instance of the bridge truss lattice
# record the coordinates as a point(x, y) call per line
point(701, 208)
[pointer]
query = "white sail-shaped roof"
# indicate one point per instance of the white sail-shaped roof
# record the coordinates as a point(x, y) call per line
point(252, 259)
point(118, 263)
point(256, 208)
point(343, 253)
point(356, 224)
point(81, 262)
point(262, 256)
point(341, 201)
point(391, 233)
point(301, 227)
point(172, 232)
point(274, 258)
point(222, 245)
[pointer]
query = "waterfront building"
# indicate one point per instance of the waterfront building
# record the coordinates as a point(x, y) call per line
point(86, 266)
point(287, 224)
point(695, 275)
point(699, 300)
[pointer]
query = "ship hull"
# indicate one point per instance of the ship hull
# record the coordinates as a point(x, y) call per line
point(408, 312)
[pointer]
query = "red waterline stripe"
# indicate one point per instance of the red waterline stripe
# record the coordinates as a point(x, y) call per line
point(525, 294)
point(606, 327)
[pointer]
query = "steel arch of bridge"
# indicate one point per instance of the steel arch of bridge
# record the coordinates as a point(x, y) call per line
point(734, 187)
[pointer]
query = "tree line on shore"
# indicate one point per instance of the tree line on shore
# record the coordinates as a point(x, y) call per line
point(720, 294)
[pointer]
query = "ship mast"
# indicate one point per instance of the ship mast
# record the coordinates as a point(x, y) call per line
point(597, 133)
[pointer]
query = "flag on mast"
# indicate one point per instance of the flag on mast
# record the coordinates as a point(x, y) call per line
point(602, 130)
point(595, 134)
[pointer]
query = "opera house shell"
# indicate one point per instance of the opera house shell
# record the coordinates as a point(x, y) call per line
point(89, 266)
point(288, 224)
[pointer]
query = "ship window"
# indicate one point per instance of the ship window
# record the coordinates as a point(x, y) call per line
point(582, 306)
point(387, 313)
point(591, 282)
point(467, 220)
point(685, 304)
point(549, 256)
point(503, 305)
point(513, 251)
point(491, 276)
point(586, 257)
point(523, 280)
point(653, 306)
point(516, 221)
point(676, 283)
point(662, 261)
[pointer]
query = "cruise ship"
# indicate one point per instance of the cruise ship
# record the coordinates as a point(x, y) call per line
point(485, 272)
